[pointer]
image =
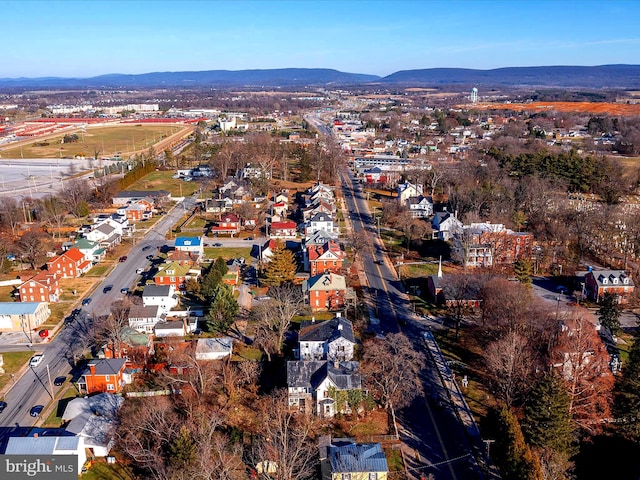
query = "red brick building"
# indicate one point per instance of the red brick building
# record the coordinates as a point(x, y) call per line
point(616, 282)
point(325, 291)
point(325, 258)
point(43, 287)
point(103, 375)
point(71, 264)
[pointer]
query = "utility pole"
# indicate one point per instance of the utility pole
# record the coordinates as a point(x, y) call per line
point(50, 384)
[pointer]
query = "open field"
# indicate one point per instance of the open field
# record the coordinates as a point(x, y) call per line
point(101, 141)
point(161, 180)
point(581, 107)
point(13, 362)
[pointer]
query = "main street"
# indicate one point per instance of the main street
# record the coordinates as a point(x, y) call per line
point(429, 426)
point(34, 387)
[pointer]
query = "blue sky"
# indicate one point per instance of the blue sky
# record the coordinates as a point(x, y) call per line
point(87, 38)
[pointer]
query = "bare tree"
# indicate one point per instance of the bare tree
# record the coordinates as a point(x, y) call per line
point(53, 213)
point(285, 448)
point(31, 245)
point(203, 376)
point(109, 328)
point(390, 369)
point(75, 193)
point(510, 361)
point(10, 214)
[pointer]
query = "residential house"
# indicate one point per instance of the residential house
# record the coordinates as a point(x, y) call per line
point(94, 419)
point(319, 259)
point(221, 205)
point(134, 345)
point(138, 210)
point(408, 190)
point(445, 225)
point(173, 273)
point(46, 446)
point(267, 250)
point(125, 197)
point(163, 296)
point(23, 317)
point(344, 459)
point(254, 171)
point(319, 237)
point(144, 318)
point(615, 282)
point(103, 375)
point(311, 382)
point(325, 291)
point(329, 340)
point(193, 245)
point(232, 277)
point(320, 221)
point(70, 264)
point(420, 206)
point(91, 250)
point(105, 234)
point(43, 287)
point(214, 348)
point(483, 244)
point(186, 259)
point(229, 224)
point(283, 230)
point(318, 206)
point(172, 328)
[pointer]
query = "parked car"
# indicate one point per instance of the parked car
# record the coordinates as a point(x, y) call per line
point(59, 380)
point(36, 360)
point(123, 258)
point(217, 244)
point(139, 270)
point(146, 247)
point(36, 411)
point(124, 290)
point(107, 289)
point(86, 301)
point(3, 405)
point(149, 257)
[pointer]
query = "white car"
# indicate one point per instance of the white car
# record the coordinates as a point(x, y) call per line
point(139, 270)
point(35, 360)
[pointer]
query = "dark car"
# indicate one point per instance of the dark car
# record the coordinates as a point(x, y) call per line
point(124, 290)
point(107, 289)
point(146, 247)
point(3, 405)
point(149, 257)
point(59, 380)
point(36, 411)
point(86, 301)
point(217, 244)
point(123, 258)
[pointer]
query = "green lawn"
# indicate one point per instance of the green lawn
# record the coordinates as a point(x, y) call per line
point(98, 271)
point(54, 420)
point(5, 293)
point(161, 180)
point(418, 271)
point(104, 140)
point(13, 361)
point(227, 252)
point(104, 471)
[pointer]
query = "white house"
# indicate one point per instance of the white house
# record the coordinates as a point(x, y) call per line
point(193, 245)
point(320, 221)
point(214, 348)
point(420, 206)
point(329, 340)
point(445, 225)
point(144, 318)
point(407, 190)
point(163, 296)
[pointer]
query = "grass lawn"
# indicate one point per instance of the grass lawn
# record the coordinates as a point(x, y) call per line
point(418, 271)
point(98, 271)
point(13, 361)
point(80, 285)
point(104, 140)
point(227, 252)
point(161, 180)
point(319, 316)
point(101, 470)
point(394, 461)
point(244, 352)
point(197, 222)
point(54, 420)
point(58, 312)
point(5, 293)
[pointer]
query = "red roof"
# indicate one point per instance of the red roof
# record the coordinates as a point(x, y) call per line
point(283, 225)
point(73, 254)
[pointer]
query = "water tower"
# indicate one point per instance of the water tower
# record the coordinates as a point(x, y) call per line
point(474, 95)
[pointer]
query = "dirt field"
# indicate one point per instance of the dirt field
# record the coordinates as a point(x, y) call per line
point(621, 109)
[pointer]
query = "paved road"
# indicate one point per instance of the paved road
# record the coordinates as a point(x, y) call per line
point(33, 388)
point(429, 426)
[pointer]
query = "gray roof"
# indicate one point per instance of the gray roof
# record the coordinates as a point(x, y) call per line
point(150, 311)
point(357, 457)
point(138, 194)
point(102, 404)
point(93, 418)
point(156, 291)
point(170, 325)
point(311, 373)
point(326, 331)
point(105, 366)
point(222, 345)
point(611, 275)
point(40, 445)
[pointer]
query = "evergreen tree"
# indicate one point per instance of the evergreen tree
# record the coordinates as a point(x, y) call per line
point(609, 313)
point(182, 450)
point(522, 270)
point(220, 266)
point(280, 269)
point(627, 394)
point(513, 455)
point(547, 422)
point(223, 310)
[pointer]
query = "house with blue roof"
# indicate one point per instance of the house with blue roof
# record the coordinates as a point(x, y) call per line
point(23, 316)
point(191, 245)
point(342, 459)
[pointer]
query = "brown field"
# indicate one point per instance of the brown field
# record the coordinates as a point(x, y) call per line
point(622, 109)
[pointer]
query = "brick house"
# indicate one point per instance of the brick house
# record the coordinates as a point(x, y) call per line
point(616, 282)
point(324, 258)
point(229, 224)
point(103, 375)
point(172, 274)
point(485, 244)
point(71, 264)
point(325, 291)
point(43, 287)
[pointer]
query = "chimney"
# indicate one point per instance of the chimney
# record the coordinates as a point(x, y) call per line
point(340, 327)
point(338, 314)
point(92, 368)
point(313, 319)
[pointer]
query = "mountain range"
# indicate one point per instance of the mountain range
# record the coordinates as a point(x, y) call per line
point(603, 76)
